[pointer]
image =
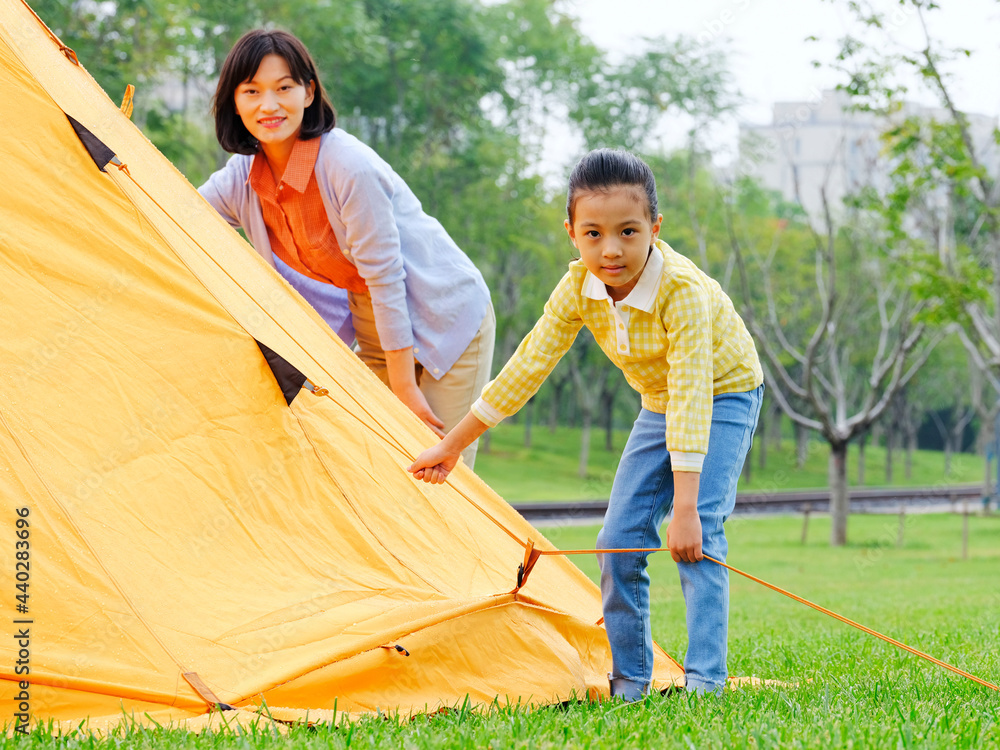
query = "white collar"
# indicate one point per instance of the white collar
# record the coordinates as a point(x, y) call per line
point(643, 294)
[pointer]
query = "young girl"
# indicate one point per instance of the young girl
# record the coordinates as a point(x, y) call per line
point(676, 337)
point(344, 229)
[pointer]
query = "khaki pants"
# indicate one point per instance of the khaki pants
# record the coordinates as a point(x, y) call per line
point(453, 395)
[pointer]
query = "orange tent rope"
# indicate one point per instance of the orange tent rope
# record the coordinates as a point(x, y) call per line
point(801, 600)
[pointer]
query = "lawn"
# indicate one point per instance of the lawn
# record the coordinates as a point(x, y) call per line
point(844, 689)
point(548, 469)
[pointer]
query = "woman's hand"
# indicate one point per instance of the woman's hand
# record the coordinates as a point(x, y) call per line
point(415, 400)
point(434, 464)
point(403, 382)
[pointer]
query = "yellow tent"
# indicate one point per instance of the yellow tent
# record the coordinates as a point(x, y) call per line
point(177, 536)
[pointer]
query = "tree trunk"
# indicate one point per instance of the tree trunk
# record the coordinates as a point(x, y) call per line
point(840, 500)
point(989, 448)
point(589, 384)
point(861, 460)
point(948, 449)
point(958, 435)
point(608, 410)
point(801, 445)
point(761, 444)
point(776, 427)
point(557, 389)
point(584, 444)
point(988, 478)
point(890, 439)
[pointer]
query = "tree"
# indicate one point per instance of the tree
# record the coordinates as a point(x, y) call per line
point(944, 393)
point(904, 417)
point(986, 402)
point(608, 398)
point(127, 41)
point(622, 104)
point(590, 370)
point(939, 164)
point(838, 379)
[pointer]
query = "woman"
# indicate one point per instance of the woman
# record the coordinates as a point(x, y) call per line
point(344, 229)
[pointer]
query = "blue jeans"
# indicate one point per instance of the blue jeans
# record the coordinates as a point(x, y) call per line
point(642, 495)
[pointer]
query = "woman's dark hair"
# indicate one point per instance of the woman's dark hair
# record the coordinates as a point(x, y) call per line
point(606, 168)
point(240, 66)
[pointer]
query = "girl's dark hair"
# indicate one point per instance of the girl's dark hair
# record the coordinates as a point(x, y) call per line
point(606, 168)
point(240, 66)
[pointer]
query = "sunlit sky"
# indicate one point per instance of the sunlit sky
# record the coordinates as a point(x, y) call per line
point(769, 57)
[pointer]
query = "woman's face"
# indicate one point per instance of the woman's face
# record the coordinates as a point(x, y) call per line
point(272, 103)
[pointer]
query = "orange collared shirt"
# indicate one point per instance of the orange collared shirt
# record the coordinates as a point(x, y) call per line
point(296, 220)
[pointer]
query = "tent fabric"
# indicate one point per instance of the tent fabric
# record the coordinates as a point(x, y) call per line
point(193, 538)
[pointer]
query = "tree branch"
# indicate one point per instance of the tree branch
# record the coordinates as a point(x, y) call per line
point(977, 358)
point(786, 407)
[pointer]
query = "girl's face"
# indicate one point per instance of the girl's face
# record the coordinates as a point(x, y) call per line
point(613, 233)
point(272, 103)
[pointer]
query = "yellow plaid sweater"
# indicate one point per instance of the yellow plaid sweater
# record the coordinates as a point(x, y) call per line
point(676, 337)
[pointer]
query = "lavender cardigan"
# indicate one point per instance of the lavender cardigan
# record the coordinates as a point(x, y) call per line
point(425, 291)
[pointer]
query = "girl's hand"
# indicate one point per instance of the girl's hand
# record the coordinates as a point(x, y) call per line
point(434, 464)
point(417, 403)
point(684, 537)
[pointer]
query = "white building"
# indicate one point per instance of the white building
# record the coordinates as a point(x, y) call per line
point(823, 143)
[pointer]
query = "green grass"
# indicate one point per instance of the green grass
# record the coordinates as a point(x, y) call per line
point(845, 689)
point(548, 470)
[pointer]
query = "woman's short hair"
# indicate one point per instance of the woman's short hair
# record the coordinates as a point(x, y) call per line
point(240, 66)
point(606, 168)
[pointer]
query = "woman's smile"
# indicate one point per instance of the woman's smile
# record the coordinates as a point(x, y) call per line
point(272, 103)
